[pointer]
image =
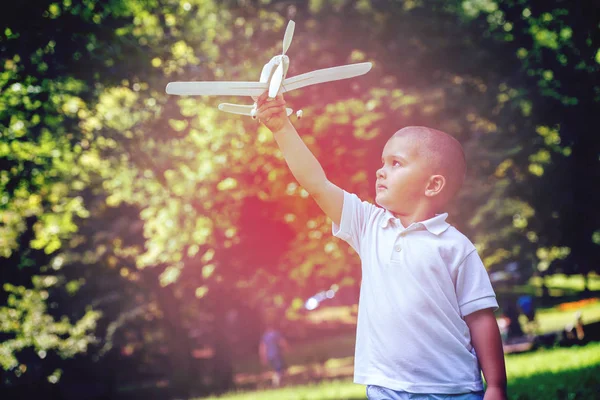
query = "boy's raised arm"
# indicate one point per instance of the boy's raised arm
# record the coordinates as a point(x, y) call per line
point(304, 166)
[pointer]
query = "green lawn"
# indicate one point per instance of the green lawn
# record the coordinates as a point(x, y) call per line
point(561, 373)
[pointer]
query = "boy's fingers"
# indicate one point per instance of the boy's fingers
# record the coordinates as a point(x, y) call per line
point(264, 98)
point(271, 104)
point(267, 114)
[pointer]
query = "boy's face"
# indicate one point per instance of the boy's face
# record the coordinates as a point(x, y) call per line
point(403, 177)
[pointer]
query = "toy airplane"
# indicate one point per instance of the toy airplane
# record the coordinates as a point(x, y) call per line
point(272, 78)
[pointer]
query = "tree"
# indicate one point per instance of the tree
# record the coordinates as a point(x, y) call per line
point(559, 47)
point(52, 54)
point(166, 215)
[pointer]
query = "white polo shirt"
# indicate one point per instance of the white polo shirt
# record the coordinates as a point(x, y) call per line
point(417, 285)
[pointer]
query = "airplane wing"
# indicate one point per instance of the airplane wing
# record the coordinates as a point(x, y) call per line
point(325, 75)
point(255, 89)
point(217, 88)
point(243, 109)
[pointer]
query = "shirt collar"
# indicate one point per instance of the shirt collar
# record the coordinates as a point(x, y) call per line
point(435, 225)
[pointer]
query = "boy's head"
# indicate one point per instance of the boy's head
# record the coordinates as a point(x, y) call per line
point(422, 169)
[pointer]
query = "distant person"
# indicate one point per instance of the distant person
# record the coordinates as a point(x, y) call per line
point(575, 330)
point(426, 322)
point(514, 329)
point(272, 348)
point(526, 306)
point(503, 324)
point(545, 291)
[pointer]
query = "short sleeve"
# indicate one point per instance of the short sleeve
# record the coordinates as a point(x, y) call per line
point(473, 287)
point(355, 216)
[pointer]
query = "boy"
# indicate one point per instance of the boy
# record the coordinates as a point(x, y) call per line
point(425, 323)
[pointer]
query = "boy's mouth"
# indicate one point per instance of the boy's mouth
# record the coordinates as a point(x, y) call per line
point(380, 187)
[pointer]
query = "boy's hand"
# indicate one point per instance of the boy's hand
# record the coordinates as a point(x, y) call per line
point(494, 393)
point(272, 112)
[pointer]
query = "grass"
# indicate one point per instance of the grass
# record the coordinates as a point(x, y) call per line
point(561, 373)
point(333, 390)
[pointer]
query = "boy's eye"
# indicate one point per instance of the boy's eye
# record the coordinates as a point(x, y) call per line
point(396, 163)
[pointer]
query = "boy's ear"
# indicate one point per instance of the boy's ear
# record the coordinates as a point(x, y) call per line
point(435, 185)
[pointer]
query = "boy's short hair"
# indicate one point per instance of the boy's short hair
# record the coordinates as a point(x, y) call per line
point(444, 154)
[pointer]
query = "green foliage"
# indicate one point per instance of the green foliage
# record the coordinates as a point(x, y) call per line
point(27, 323)
point(556, 45)
point(48, 164)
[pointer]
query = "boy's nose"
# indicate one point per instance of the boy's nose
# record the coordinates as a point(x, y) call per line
point(380, 173)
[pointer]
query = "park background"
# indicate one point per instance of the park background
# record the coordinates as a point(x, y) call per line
point(145, 239)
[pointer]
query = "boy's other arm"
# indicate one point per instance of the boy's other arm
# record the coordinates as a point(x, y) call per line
point(302, 163)
point(485, 337)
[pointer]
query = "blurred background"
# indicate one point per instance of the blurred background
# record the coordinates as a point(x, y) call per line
point(147, 241)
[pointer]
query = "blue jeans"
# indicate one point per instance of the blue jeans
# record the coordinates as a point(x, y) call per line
point(381, 393)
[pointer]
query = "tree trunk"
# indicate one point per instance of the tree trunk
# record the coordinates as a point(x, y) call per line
point(177, 338)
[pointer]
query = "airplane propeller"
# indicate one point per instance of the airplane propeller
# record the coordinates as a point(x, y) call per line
point(277, 78)
point(287, 36)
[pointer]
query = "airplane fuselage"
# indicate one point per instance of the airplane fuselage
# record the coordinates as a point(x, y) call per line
point(270, 67)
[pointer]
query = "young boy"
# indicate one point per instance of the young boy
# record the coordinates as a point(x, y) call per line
point(426, 327)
